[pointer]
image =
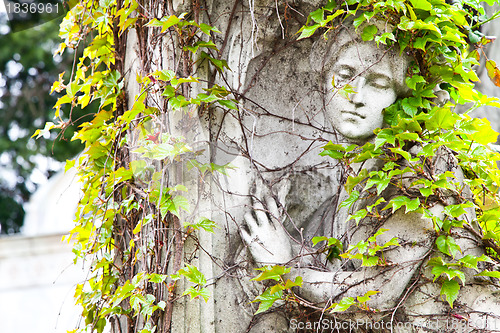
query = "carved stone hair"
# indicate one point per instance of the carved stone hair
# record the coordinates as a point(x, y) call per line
point(324, 54)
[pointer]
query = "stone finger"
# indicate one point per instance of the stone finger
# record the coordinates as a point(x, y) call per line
point(273, 208)
point(245, 236)
point(261, 214)
point(251, 223)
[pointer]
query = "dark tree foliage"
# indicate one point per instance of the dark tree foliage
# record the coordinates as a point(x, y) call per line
point(27, 70)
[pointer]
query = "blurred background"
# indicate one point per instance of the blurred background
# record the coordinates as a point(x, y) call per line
point(37, 199)
point(27, 71)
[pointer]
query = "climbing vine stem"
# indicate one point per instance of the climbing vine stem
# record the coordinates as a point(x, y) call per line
point(129, 220)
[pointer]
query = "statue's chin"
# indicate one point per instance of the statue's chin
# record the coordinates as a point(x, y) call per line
point(358, 139)
point(356, 132)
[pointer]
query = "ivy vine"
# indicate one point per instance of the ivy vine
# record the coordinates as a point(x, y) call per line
point(125, 199)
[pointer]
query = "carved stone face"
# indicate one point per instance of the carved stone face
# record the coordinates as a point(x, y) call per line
point(371, 74)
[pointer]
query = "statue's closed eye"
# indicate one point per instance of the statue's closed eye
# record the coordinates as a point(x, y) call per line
point(379, 81)
point(345, 73)
point(342, 76)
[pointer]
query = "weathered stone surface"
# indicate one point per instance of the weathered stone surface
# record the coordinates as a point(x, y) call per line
point(280, 192)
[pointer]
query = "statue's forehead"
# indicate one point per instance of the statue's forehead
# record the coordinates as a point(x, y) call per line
point(367, 57)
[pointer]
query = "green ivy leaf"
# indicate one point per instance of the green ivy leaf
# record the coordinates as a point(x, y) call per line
point(308, 31)
point(330, 6)
point(421, 4)
point(206, 29)
point(271, 273)
point(441, 119)
point(267, 300)
point(484, 133)
point(392, 242)
point(360, 214)
point(179, 202)
point(425, 191)
point(157, 278)
point(100, 325)
point(346, 91)
point(122, 292)
point(456, 210)
point(398, 202)
point(447, 245)
point(450, 290)
point(369, 32)
point(385, 136)
point(335, 151)
point(366, 297)
point(318, 239)
point(494, 274)
point(192, 274)
point(42, 132)
point(406, 136)
point(409, 109)
point(297, 283)
point(174, 205)
point(219, 63)
point(353, 197)
point(196, 46)
point(228, 104)
point(202, 223)
point(383, 38)
point(196, 293)
point(438, 269)
point(168, 22)
point(406, 155)
point(412, 81)
point(471, 261)
point(343, 305)
point(335, 247)
point(317, 15)
point(165, 75)
point(368, 261)
point(352, 181)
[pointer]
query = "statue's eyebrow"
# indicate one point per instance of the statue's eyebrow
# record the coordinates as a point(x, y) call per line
point(364, 71)
point(341, 65)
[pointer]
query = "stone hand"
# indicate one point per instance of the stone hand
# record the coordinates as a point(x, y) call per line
point(266, 238)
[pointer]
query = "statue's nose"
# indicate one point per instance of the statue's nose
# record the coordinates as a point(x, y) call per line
point(358, 98)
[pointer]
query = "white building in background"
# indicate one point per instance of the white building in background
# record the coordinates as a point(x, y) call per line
point(51, 209)
point(37, 275)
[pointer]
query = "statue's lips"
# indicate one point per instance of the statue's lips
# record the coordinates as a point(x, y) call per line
point(353, 113)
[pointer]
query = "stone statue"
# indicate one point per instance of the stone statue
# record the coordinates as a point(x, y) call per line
point(293, 98)
point(274, 234)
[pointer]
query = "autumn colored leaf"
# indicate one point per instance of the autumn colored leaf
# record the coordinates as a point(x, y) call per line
point(493, 72)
